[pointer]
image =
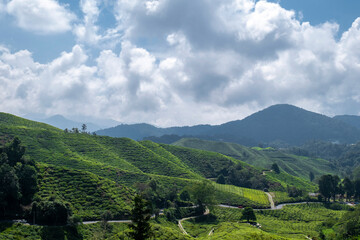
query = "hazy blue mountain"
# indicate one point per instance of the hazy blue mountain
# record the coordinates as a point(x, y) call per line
point(349, 119)
point(293, 125)
point(61, 122)
point(142, 130)
point(282, 124)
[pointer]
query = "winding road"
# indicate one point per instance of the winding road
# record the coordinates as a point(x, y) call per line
point(207, 211)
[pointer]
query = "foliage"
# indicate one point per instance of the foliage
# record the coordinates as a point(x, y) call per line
point(329, 186)
point(248, 214)
point(140, 216)
point(50, 212)
point(18, 179)
point(275, 168)
point(348, 226)
point(220, 179)
point(203, 194)
point(172, 214)
point(294, 192)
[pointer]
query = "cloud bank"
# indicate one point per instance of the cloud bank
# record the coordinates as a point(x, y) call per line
point(184, 62)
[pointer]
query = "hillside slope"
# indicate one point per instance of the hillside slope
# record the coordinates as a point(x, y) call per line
point(105, 166)
point(264, 158)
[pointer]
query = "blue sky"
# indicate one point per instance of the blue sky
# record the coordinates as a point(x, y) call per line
point(209, 61)
point(343, 12)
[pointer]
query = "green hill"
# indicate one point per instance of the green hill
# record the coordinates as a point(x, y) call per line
point(89, 194)
point(263, 158)
point(97, 173)
point(123, 162)
point(107, 168)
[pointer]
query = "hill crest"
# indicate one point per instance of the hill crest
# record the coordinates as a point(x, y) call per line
point(281, 124)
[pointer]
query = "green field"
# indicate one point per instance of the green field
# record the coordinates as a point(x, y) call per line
point(256, 196)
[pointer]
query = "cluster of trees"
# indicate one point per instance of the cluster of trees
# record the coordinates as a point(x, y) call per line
point(50, 212)
point(161, 197)
point(18, 179)
point(76, 130)
point(295, 192)
point(18, 185)
point(330, 186)
point(243, 177)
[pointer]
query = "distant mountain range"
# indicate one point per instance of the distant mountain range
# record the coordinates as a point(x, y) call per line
point(281, 124)
point(350, 119)
point(61, 122)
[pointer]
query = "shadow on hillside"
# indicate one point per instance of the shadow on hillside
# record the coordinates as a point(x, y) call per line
point(60, 233)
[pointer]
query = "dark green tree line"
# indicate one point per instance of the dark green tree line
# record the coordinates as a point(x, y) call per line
point(330, 186)
point(18, 179)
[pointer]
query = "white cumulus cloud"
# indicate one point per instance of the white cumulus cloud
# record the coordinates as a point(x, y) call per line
point(184, 62)
point(41, 16)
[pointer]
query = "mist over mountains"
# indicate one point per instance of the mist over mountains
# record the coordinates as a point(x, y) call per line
point(281, 124)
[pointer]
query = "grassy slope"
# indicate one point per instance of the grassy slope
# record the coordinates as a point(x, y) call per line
point(89, 194)
point(122, 161)
point(294, 165)
point(207, 164)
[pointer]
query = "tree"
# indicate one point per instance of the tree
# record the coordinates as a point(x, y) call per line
point(220, 179)
point(294, 192)
point(335, 186)
point(348, 188)
point(185, 196)
point(325, 187)
point(329, 186)
point(105, 217)
point(203, 195)
point(18, 178)
point(248, 214)
point(28, 181)
point(357, 188)
point(311, 176)
point(83, 128)
point(9, 189)
point(275, 168)
point(3, 159)
point(50, 212)
point(14, 152)
point(140, 216)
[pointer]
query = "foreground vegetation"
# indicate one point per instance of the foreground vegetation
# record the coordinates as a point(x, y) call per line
point(292, 222)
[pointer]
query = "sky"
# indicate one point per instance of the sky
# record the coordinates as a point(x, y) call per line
point(178, 62)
